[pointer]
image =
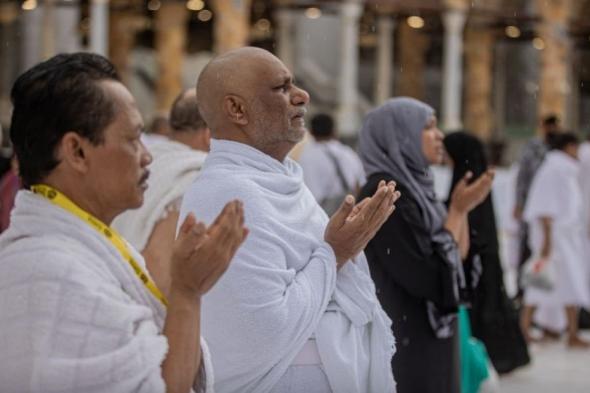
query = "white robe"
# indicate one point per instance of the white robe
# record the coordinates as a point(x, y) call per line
point(74, 316)
point(174, 167)
point(319, 172)
point(555, 193)
point(282, 286)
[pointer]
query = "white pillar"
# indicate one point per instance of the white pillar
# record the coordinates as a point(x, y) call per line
point(454, 22)
point(348, 116)
point(67, 19)
point(99, 27)
point(285, 36)
point(384, 62)
point(32, 44)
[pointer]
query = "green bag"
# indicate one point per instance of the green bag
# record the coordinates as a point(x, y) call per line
point(474, 357)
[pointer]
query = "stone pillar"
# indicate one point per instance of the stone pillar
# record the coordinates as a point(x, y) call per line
point(171, 29)
point(500, 58)
point(31, 29)
point(479, 50)
point(231, 28)
point(66, 21)
point(285, 36)
point(99, 27)
point(124, 24)
point(384, 64)
point(413, 45)
point(49, 28)
point(348, 116)
point(454, 21)
point(555, 58)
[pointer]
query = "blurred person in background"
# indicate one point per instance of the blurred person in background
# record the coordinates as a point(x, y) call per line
point(158, 131)
point(557, 235)
point(331, 170)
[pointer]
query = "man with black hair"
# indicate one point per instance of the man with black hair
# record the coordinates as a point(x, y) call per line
point(79, 311)
point(177, 162)
point(330, 168)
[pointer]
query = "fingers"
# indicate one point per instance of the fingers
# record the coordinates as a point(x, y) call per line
point(190, 236)
point(381, 202)
point(345, 209)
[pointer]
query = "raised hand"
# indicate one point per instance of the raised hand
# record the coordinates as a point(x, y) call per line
point(466, 196)
point(353, 226)
point(201, 255)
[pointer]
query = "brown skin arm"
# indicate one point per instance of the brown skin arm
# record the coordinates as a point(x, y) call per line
point(200, 256)
point(546, 224)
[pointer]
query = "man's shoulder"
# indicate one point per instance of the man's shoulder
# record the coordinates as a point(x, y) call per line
point(50, 257)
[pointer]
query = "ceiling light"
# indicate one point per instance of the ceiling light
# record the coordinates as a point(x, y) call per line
point(29, 5)
point(205, 15)
point(195, 5)
point(313, 12)
point(512, 31)
point(415, 22)
point(538, 43)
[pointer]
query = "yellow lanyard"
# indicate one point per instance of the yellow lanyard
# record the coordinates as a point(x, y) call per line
point(116, 240)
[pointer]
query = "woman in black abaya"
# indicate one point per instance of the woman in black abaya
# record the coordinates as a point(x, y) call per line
point(494, 319)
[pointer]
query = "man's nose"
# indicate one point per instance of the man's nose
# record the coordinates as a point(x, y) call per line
point(146, 156)
point(299, 96)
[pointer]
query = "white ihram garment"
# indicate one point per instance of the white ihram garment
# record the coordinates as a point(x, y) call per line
point(555, 193)
point(282, 287)
point(74, 315)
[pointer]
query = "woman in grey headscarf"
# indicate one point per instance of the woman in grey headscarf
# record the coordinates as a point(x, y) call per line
point(415, 258)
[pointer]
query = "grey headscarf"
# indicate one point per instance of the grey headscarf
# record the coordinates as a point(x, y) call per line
point(391, 142)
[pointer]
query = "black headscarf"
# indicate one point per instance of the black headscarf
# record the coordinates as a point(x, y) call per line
point(468, 154)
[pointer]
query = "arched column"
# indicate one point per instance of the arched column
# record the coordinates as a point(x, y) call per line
point(231, 27)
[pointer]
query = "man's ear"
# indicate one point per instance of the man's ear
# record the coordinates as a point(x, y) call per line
point(234, 108)
point(73, 151)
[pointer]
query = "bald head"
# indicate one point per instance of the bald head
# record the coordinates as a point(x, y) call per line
point(247, 95)
point(232, 73)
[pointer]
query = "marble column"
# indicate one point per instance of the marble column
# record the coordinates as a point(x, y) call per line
point(454, 22)
point(384, 63)
point(479, 50)
point(348, 111)
point(171, 32)
point(412, 44)
point(285, 49)
point(66, 21)
point(31, 30)
point(99, 27)
point(231, 27)
point(556, 64)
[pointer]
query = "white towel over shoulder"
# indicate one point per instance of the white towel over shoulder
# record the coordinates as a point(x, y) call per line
point(74, 316)
point(282, 286)
point(175, 166)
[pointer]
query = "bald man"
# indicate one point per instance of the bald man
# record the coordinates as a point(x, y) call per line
point(296, 311)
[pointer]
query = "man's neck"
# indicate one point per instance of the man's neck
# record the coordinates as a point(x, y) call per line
point(82, 197)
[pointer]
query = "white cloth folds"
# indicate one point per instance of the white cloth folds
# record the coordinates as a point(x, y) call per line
point(282, 286)
point(75, 317)
point(555, 193)
point(175, 166)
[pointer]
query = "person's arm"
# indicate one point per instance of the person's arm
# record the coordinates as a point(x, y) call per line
point(201, 255)
point(546, 223)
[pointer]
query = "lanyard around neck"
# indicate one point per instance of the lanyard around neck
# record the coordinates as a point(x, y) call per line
point(108, 233)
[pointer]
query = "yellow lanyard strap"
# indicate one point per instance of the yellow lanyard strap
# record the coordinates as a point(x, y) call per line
point(110, 234)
